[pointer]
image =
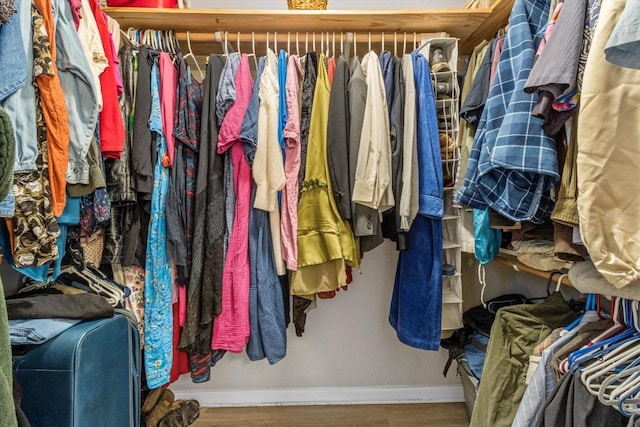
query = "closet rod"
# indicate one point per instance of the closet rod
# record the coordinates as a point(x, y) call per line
point(206, 43)
point(518, 266)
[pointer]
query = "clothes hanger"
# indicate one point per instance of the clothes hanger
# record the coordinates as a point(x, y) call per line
point(218, 36)
point(355, 45)
point(327, 53)
point(341, 43)
point(415, 41)
point(395, 44)
point(297, 45)
point(322, 42)
point(609, 393)
point(190, 54)
point(306, 43)
point(618, 325)
point(267, 44)
point(253, 49)
point(382, 47)
point(314, 40)
point(404, 44)
point(288, 43)
point(623, 355)
point(334, 44)
point(275, 42)
point(369, 42)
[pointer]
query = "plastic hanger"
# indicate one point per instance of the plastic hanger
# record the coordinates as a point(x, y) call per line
point(355, 45)
point(297, 46)
point(395, 44)
point(369, 42)
point(382, 46)
point(404, 45)
point(190, 54)
point(618, 326)
point(314, 40)
point(334, 44)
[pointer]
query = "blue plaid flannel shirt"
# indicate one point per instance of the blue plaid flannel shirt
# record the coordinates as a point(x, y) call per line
point(513, 164)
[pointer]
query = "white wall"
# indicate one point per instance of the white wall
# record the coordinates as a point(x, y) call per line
point(348, 353)
point(332, 4)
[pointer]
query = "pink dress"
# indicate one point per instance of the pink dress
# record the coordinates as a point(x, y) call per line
point(168, 88)
point(289, 216)
point(231, 328)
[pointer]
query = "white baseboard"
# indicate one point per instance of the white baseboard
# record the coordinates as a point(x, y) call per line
point(323, 396)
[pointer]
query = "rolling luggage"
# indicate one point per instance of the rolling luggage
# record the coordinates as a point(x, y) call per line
point(88, 376)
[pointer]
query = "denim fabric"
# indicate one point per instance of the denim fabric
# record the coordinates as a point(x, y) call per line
point(77, 83)
point(249, 130)
point(8, 205)
point(21, 105)
point(429, 161)
point(37, 331)
point(226, 87)
point(13, 66)
point(386, 66)
point(416, 303)
point(623, 47)
point(266, 308)
point(158, 321)
point(282, 83)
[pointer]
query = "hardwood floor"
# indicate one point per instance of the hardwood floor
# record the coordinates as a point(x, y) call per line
point(436, 415)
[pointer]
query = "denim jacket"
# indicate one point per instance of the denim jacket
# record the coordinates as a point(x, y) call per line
point(14, 60)
point(77, 83)
point(21, 104)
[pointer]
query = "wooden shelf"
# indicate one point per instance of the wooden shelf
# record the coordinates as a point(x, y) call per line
point(469, 25)
point(518, 266)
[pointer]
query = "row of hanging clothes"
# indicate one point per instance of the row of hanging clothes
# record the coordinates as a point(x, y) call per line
point(543, 173)
point(255, 187)
point(535, 169)
point(209, 200)
point(559, 362)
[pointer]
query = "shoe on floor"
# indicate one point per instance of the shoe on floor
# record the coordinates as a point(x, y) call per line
point(160, 409)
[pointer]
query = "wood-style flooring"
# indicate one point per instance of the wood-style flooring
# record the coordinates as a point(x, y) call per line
point(436, 415)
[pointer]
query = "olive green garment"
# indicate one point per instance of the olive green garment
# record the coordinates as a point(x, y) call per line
point(515, 333)
point(325, 241)
point(7, 410)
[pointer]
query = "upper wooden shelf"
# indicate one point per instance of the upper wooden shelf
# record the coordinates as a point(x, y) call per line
point(469, 25)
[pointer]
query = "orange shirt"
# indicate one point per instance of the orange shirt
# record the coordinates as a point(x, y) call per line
point(54, 110)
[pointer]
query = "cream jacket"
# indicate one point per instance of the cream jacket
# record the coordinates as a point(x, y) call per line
point(372, 185)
